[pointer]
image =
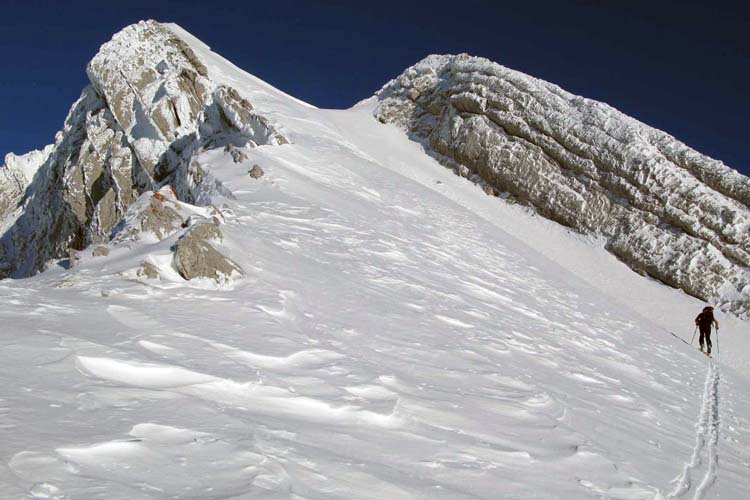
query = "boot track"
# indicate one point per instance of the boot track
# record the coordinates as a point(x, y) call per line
point(705, 450)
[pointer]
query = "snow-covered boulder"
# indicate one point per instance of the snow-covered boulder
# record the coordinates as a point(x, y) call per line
point(663, 208)
point(194, 257)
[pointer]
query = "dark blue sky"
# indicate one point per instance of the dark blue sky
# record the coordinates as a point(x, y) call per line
point(680, 66)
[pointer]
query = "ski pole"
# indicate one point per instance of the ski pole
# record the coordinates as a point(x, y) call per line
point(696, 331)
point(718, 351)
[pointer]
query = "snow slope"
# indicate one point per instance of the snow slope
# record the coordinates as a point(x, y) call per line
point(397, 335)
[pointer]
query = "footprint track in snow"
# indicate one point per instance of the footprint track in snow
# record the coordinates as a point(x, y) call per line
point(706, 443)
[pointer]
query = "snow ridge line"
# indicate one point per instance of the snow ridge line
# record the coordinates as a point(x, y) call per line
point(707, 431)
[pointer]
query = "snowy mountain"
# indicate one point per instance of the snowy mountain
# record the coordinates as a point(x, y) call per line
point(244, 296)
point(662, 208)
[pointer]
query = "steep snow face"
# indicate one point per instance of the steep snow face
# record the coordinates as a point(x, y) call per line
point(664, 209)
point(149, 109)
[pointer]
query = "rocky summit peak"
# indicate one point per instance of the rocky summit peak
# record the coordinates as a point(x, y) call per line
point(154, 85)
point(150, 106)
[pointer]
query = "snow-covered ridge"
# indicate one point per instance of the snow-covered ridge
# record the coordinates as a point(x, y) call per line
point(149, 109)
point(665, 209)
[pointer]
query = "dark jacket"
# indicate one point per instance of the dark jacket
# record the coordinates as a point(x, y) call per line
point(704, 320)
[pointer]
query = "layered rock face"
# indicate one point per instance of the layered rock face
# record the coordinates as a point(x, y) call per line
point(664, 209)
point(150, 107)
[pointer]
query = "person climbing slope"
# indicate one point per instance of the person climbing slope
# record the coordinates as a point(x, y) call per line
point(704, 321)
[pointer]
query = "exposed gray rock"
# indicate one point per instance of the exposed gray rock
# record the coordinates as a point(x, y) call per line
point(665, 209)
point(237, 155)
point(194, 257)
point(256, 172)
point(74, 258)
point(100, 251)
point(205, 230)
point(148, 270)
point(161, 219)
point(199, 219)
point(153, 213)
point(216, 215)
point(238, 110)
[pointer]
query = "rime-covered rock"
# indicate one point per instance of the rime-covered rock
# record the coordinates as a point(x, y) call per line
point(151, 105)
point(153, 215)
point(664, 209)
point(154, 85)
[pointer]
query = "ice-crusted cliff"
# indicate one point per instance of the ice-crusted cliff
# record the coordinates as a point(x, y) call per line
point(663, 208)
point(149, 108)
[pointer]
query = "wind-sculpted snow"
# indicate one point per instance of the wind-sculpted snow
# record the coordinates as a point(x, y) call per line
point(150, 108)
point(664, 209)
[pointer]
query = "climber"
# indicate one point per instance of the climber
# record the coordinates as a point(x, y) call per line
point(704, 321)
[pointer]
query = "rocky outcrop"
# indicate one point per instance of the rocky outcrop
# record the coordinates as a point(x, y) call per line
point(237, 155)
point(664, 209)
point(100, 251)
point(148, 270)
point(194, 257)
point(256, 172)
point(153, 85)
point(150, 107)
point(154, 216)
